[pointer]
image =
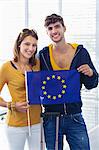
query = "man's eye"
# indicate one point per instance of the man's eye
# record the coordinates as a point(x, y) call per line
point(50, 28)
point(57, 26)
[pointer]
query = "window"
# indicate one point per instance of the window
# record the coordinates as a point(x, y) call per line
point(12, 21)
point(38, 10)
point(80, 18)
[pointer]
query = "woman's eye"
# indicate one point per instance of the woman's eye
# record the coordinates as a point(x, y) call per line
point(34, 45)
point(27, 44)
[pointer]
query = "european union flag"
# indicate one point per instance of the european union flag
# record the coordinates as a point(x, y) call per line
point(53, 87)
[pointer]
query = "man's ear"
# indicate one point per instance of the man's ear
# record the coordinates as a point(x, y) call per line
point(46, 32)
point(64, 28)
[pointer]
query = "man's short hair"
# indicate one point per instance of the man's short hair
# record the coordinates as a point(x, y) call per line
point(53, 19)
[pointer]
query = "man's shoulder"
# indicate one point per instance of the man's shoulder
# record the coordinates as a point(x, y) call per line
point(82, 49)
point(44, 50)
point(79, 47)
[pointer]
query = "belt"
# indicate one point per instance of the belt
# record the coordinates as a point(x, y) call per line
point(57, 114)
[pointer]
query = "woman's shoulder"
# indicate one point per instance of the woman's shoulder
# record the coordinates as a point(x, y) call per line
point(5, 65)
point(4, 69)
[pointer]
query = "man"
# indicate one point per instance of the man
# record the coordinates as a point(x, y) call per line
point(61, 55)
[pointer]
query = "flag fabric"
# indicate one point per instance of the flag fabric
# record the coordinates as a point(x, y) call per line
point(53, 87)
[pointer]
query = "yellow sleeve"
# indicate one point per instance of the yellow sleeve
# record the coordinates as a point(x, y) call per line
point(3, 74)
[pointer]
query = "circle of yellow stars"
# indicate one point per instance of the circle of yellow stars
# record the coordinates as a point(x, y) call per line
point(59, 95)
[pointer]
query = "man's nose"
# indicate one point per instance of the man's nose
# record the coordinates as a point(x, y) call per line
point(53, 30)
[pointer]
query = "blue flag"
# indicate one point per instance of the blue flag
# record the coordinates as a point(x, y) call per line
point(53, 87)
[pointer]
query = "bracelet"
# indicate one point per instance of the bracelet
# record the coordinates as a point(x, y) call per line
point(9, 105)
point(13, 106)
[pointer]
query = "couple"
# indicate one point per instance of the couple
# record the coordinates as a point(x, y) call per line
point(59, 55)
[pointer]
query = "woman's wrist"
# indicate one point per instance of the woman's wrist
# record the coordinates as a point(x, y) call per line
point(8, 105)
point(11, 106)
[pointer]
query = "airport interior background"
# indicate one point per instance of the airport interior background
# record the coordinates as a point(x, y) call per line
point(82, 26)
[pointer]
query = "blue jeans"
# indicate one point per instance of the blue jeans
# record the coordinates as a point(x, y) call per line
point(72, 126)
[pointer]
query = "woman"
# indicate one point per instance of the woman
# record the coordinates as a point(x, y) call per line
point(12, 73)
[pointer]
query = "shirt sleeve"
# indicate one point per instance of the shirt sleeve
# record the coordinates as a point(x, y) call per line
point(3, 74)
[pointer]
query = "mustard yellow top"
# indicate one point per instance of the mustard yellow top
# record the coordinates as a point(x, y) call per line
point(15, 81)
point(54, 65)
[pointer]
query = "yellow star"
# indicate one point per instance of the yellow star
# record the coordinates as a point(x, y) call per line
point(53, 76)
point(49, 96)
point(43, 87)
point(44, 92)
point(63, 91)
point(48, 78)
point(63, 81)
point(58, 77)
point(59, 95)
point(54, 97)
point(44, 82)
point(64, 86)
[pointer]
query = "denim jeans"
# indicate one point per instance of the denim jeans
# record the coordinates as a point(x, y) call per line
point(72, 126)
